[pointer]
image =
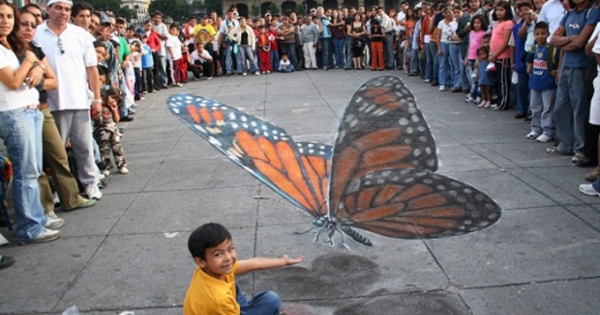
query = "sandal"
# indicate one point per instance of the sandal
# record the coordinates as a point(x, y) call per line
point(6, 261)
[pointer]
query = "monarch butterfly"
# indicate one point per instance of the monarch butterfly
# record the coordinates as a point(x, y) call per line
point(378, 176)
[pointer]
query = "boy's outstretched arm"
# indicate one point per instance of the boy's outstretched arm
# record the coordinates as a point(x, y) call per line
point(261, 263)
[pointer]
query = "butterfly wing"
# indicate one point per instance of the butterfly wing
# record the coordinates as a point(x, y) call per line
point(382, 128)
point(410, 204)
point(297, 171)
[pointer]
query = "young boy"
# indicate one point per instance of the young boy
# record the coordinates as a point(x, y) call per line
point(147, 67)
point(285, 65)
point(175, 55)
point(213, 289)
point(264, 50)
point(542, 63)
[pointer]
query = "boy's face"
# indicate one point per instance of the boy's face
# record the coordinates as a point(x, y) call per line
point(104, 32)
point(541, 35)
point(485, 42)
point(284, 58)
point(101, 53)
point(102, 79)
point(219, 260)
point(173, 31)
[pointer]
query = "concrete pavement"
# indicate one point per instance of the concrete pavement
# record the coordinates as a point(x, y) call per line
point(130, 251)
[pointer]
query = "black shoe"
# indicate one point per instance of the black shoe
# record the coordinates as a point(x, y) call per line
point(435, 83)
point(412, 75)
point(520, 116)
point(126, 118)
point(528, 119)
point(6, 262)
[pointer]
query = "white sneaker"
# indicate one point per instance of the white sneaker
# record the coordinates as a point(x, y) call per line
point(54, 224)
point(257, 73)
point(426, 81)
point(101, 176)
point(532, 135)
point(93, 192)
point(106, 173)
point(46, 235)
point(123, 170)
point(442, 88)
point(245, 74)
point(52, 215)
point(56, 200)
point(543, 138)
point(588, 189)
point(469, 99)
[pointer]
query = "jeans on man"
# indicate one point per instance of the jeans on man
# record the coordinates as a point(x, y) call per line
point(228, 55)
point(162, 70)
point(21, 130)
point(414, 62)
point(326, 45)
point(455, 62)
point(338, 48)
point(262, 303)
point(571, 110)
point(432, 62)
point(348, 51)
point(274, 59)
point(388, 50)
point(523, 93)
point(445, 66)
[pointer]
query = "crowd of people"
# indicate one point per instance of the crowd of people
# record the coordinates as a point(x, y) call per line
point(70, 74)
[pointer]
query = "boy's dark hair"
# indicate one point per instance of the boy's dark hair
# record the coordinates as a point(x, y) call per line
point(32, 5)
point(525, 4)
point(508, 16)
point(487, 3)
point(98, 44)
point(262, 26)
point(120, 21)
point(541, 25)
point(102, 70)
point(155, 13)
point(483, 20)
point(172, 26)
point(97, 14)
point(486, 36)
point(207, 236)
point(81, 6)
point(483, 49)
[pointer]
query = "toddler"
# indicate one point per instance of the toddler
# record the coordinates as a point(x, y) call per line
point(285, 65)
point(106, 133)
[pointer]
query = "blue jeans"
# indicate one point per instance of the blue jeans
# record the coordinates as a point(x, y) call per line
point(455, 63)
point(326, 45)
point(348, 50)
point(388, 51)
point(228, 54)
point(523, 93)
point(162, 71)
point(571, 110)
point(414, 62)
point(445, 66)
point(274, 59)
point(338, 48)
point(21, 130)
point(474, 86)
point(432, 62)
point(246, 53)
point(262, 303)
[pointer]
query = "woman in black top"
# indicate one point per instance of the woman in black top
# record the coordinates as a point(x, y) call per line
point(357, 31)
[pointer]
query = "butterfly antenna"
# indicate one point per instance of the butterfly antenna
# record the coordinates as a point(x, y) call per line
point(307, 230)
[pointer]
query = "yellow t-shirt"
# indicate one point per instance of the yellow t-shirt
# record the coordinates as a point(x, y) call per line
point(210, 296)
point(202, 33)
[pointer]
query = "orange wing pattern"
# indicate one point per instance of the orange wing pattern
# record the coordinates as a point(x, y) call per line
point(382, 128)
point(297, 171)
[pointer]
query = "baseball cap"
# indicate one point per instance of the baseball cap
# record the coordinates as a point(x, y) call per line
point(51, 2)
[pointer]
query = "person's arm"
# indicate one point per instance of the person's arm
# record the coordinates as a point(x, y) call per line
point(523, 30)
point(590, 45)
point(50, 82)
point(260, 263)
point(14, 79)
point(115, 114)
point(94, 83)
point(576, 42)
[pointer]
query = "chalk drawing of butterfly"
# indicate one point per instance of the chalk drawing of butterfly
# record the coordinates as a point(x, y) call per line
point(379, 175)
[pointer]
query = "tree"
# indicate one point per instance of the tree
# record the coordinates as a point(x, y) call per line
point(178, 10)
point(103, 5)
point(274, 9)
point(127, 13)
point(197, 7)
point(255, 10)
point(213, 5)
point(300, 9)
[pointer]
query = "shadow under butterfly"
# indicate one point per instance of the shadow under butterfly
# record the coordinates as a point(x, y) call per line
point(378, 176)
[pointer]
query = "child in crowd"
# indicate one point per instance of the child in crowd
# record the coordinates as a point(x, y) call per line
point(103, 78)
point(273, 37)
point(478, 31)
point(106, 133)
point(175, 56)
point(136, 61)
point(405, 46)
point(213, 289)
point(147, 67)
point(285, 64)
point(542, 63)
point(264, 50)
point(485, 77)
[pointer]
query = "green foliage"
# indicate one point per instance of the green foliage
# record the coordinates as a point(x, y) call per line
point(197, 8)
point(103, 5)
point(213, 5)
point(127, 13)
point(255, 11)
point(178, 10)
point(274, 9)
point(300, 10)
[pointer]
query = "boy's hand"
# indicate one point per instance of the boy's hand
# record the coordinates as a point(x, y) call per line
point(292, 261)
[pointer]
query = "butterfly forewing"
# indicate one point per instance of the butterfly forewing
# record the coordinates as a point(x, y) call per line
point(297, 171)
point(382, 128)
point(413, 203)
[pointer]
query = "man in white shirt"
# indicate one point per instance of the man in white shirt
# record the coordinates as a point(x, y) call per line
point(162, 31)
point(227, 26)
point(388, 27)
point(201, 62)
point(73, 58)
point(552, 12)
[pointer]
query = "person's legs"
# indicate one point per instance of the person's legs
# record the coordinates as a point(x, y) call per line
point(523, 93)
point(227, 52)
point(389, 51)
point(262, 303)
point(79, 130)
point(547, 119)
point(242, 56)
point(537, 106)
point(455, 62)
point(444, 65)
point(503, 83)
point(348, 51)
point(251, 59)
point(21, 130)
point(326, 44)
point(117, 149)
point(156, 71)
point(274, 55)
point(102, 137)
point(429, 62)
point(338, 47)
point(563, 113)
point(207, 70)
point(163, 70)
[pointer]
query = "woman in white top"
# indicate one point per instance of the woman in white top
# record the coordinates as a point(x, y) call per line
point(21, 129)
point(447, 28)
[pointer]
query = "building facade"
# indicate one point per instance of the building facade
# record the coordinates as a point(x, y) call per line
point(141, 6)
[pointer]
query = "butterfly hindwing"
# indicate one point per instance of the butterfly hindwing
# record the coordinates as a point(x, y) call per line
point(411, 204)
point(382, 128)
point(263, 149)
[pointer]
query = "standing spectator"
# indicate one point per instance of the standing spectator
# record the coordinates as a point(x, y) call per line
point(73, 58)
point(243, 35)
point(503, 23)
point(175, 57)
point(519, 54)
point(325, 41)
point(388, 27)
point(432, 63)
point(21, 129)
point(205, 33)
point(271, 30)
point(348, 49)
point(153, 42)
point(338, 31)
point(310, 37)
point(225, 43)
point(160, 65)
point(463, 30)
point(446, 28)
point(357, 32)
point(264, 50)
point(477, 31)
point(552, 13)
point(573, 93)
point(82, 14)
point(147, 66)
point(288, 44)
point(377, 36)
point(416, 45)
point(456, 59)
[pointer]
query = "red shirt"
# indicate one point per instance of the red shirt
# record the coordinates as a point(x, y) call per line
point(273, 39)
point(153, 41)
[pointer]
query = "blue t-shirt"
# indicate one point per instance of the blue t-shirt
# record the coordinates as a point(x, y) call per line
point(147, 57)
point(574, 22)
point(326, 31)
point(540, 79)
point(520, 53)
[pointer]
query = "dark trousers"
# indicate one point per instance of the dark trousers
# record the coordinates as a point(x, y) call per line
point(138, 86)
point(205, 71)
point(147, 79)
point(156, 72)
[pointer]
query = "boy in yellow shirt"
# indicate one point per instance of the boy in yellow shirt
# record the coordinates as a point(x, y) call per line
point(213, 290)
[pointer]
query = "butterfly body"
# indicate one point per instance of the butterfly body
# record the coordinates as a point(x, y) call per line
point(378, 176)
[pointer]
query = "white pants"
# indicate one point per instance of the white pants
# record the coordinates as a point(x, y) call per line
point(595, 107)
point(310, 58)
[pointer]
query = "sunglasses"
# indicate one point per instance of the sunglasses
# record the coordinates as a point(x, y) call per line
point(60, 46)
point(27, 24)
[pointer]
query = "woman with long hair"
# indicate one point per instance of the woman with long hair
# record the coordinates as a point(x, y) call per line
point(21, 129)
point(500, 57)
point(357, 32)
point(338, 31)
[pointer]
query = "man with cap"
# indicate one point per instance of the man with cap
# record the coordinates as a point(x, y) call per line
point(72, 56)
